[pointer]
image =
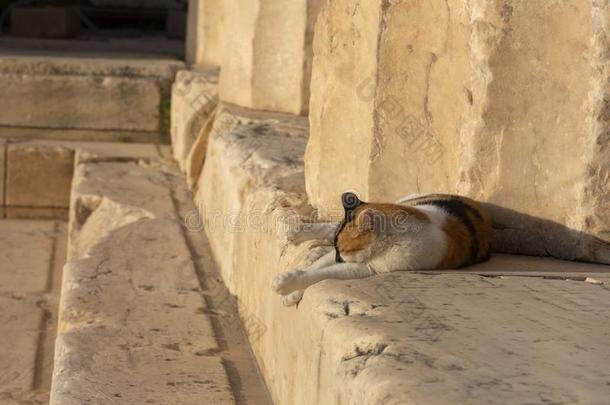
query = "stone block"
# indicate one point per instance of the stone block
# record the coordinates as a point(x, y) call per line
point(74, 61)
point(27, 254)
point(194, 97)
point(204, 40)
point(38, 176)
point(40, 213)
point(100, 151)
point(267, 54)
point(45, 22)
point(41, 172)
point(84, 135)
point(19, 324)
point(503, 102)
point(80, 102)
point(115, 98)
point(242, 146)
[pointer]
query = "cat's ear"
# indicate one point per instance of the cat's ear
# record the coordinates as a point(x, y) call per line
point(350, 202)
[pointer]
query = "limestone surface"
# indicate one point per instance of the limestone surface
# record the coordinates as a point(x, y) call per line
point(99, 91)
point(136, 324)
point(76, 63)
point(425, 339)
point(130, 108)
point(135, 335)
point(194, 97)
point(31, 258)
point(512, 330)
point(267, 54)
point(246, 151)
point(204, 40)
point(26, 256)
point(19, 323)
point(505, 102)
point(38, 175)
point(82, 135)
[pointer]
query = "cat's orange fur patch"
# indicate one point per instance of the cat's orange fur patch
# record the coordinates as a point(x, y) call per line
point(458, 244)
point(351, 239)
point(355, 236)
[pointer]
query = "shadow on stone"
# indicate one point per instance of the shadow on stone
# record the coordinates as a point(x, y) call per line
point(519, 233)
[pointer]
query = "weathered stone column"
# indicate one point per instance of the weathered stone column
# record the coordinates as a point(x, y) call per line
point(267, 54)
point(505, 101)
point(204, 42)
point(195, 91)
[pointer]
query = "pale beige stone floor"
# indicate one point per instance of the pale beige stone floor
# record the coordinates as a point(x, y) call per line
point(32, 253)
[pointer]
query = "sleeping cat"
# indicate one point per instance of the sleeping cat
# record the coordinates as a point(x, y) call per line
point(418, 232)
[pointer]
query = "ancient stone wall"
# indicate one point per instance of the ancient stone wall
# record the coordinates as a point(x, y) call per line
point(504, 101)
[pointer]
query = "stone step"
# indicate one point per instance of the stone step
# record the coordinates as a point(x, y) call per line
point(103, 95)
point(32, 253)
point(132, 324)
point(142, 315)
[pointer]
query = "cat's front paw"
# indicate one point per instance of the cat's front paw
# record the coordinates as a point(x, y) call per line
point(285, 283)
point(292, 298)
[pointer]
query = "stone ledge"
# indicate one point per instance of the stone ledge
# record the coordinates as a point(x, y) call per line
point(82, 135)
point(51, 63)
point(247, 152)
point(86, 151)
point(398, 338)
point(103, 102)
point(132, 326)
point(115, 94)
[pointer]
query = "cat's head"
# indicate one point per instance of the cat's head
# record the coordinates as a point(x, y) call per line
point(365, 223)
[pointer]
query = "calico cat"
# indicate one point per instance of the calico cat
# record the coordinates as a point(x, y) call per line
point(418, 232)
